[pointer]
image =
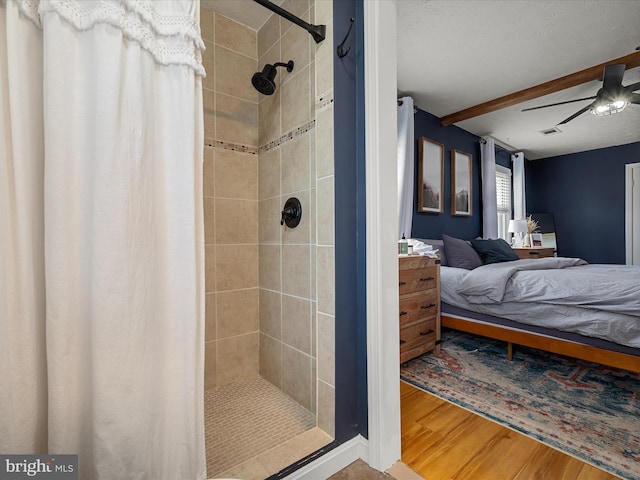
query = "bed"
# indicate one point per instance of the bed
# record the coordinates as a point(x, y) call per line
point(561, 305)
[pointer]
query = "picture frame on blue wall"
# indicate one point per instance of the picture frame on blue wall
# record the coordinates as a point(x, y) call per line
point(461, 183)
point(430, 176)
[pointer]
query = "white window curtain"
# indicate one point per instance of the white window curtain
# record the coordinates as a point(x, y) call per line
point(489, 202)
point(406, 175)
point(519, 199)
point(101, 242)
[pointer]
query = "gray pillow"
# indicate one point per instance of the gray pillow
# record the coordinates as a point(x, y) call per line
point(460, 253)
point(494, 250)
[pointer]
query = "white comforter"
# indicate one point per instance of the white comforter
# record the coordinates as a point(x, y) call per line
point(562, 293)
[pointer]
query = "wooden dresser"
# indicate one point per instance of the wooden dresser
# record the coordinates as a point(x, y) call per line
point(419, 289)
point(534, 252)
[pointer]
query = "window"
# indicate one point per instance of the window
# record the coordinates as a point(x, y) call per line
point(503, 194)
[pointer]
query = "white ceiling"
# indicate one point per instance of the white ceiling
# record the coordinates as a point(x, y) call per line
point(456, 54)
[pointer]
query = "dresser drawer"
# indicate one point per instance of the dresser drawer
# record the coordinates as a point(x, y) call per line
point(418, 306)
point(414, 335)
point(418, 279)
point(417, 339)
point(534, 252)
point(419, 302)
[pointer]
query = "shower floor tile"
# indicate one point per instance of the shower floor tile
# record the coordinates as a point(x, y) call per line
point(248, 418)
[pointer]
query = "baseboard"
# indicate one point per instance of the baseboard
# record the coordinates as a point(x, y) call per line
point(333, 461)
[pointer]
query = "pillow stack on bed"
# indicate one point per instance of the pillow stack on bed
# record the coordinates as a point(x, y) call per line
point(474, 253)
point(460, 253)
point(494, 251)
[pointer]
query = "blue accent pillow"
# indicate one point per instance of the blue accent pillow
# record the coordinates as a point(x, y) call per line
point(460, 253)
point(494, 250)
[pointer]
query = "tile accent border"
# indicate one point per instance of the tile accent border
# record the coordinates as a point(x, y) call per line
point(287, 137)
point(230, 146)
point(323, 102)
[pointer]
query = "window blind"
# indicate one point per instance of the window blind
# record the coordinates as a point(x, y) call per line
point(503, 191)
point(503, 197)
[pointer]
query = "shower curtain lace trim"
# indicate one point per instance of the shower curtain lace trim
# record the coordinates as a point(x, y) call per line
point(172, 38)
point(29, 8)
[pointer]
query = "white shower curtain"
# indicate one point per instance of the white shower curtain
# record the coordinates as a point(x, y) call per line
point(489, 200)
point(120, 187)
point(23, 381)
point(406, 162)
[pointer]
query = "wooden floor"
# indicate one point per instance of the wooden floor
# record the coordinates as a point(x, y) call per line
point(442, 441)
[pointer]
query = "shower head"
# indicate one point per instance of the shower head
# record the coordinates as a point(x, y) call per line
point(264, 82)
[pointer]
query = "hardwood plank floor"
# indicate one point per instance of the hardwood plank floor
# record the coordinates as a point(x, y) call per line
point(441, 441)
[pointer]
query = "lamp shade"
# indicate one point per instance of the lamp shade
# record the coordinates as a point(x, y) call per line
point(517, 226)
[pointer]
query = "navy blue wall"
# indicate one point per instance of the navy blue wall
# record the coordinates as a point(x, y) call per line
point(503, 158)
point(586, 193)
point(431, 225)
point(350, 213)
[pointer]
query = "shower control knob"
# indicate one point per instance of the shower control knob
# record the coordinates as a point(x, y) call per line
point(291, 213)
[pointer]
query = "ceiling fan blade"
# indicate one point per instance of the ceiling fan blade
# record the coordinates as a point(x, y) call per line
point(632, 88)
point(613, 76)
point(634, 98)
point(559, 103)
point(577, 114)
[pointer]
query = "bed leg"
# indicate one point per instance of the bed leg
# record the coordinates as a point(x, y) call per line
point(510, 351)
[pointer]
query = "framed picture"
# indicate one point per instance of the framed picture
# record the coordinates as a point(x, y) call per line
point(461, 182)
point(536, 239)
point(430, 176)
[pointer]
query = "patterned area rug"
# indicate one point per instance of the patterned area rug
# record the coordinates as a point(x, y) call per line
point(586, 410)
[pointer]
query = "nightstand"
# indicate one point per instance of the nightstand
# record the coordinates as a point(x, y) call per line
point(419, 291)
point(534, 252)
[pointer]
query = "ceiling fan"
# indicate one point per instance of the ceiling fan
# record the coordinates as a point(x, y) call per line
point(613, 97)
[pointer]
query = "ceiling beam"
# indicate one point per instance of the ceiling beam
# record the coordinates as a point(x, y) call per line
point(583, 76)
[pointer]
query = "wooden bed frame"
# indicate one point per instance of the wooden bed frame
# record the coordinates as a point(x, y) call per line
point(515, 336)
point(555, 345)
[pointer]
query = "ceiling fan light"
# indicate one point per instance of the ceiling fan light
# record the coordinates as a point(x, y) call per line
point(609, 108)
point(619, 105)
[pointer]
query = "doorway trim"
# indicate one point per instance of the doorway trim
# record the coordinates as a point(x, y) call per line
point(383, 350)
point(628, 212)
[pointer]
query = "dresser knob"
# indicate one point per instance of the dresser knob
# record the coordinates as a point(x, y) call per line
point(431, 305)
point(402, 283)
point(403, 313)
point(426, 333)
point(427, 279)
point(402, 341)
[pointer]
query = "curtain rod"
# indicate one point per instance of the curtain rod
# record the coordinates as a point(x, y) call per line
point(318, 32)
point(415, 109)
point(500, 147)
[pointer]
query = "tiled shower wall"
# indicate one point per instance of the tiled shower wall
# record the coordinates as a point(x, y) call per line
point(230, 200)
point(270, 289)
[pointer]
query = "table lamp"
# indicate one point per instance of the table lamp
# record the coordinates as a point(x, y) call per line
point(518, 228)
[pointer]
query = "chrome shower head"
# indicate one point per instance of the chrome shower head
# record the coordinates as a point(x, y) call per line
point(264, 82)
